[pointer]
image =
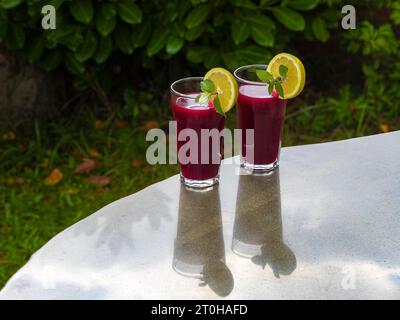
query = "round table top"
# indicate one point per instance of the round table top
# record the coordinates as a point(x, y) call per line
point(326, 225)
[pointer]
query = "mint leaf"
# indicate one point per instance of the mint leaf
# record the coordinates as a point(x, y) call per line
point(217, 106)
point(197, 98)
point(270, 88)
point(207, 86)
point(279, 89)
point(204, 97)
point(283, 70)
point(264, 76)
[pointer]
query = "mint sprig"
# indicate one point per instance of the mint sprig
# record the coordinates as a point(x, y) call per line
point(271, 81)
point(209, 93)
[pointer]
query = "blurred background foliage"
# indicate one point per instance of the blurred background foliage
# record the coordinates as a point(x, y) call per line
point(117, 48)
point(115, 61)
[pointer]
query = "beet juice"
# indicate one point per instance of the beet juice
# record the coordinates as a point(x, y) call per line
point(190, 114)
point(260, 111)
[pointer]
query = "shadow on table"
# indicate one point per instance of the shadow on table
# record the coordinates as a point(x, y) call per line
point(199, 250)
point(258, 233)
point(118, 224)
point(27, 287)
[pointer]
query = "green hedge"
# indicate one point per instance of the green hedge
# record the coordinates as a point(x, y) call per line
point(91, 32)
point(98, 41)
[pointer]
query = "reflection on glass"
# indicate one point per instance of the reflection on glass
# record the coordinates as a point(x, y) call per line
point(199, 250)
point(258, 231)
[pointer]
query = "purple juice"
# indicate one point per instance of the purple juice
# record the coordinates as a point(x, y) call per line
point(190, 114)
point(260, 111)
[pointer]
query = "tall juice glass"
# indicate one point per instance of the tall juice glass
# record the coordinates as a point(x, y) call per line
point(262, 112)
point(200, 164)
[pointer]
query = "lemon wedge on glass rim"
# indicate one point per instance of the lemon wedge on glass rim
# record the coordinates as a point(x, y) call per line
point(293, 85)
point(225, 85)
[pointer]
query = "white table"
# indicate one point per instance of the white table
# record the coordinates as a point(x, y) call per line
point(325, 226)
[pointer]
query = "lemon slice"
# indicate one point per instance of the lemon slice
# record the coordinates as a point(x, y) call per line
point(296, 75)
point(226, 87)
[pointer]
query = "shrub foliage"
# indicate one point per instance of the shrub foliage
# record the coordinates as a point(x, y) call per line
point(98, 41)
point(227, 32)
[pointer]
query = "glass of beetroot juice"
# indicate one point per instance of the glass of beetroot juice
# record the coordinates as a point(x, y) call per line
point(262, 112)
point(197, 170)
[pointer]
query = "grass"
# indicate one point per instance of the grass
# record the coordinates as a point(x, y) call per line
point(32, 212)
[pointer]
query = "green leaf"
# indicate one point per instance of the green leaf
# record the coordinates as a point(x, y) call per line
point(88, 48)
point(261, 37)
point(178, 29)
point(59, 33)
point(73, 65)
point(270, 88)
point(331, 15)
point(67, 35)
point(264, 76)
point(157, 41)
point(320, 29)
point(197, 16)
point(105, 26)
point(183, 7)
point(15, 37)
point(289, 18)
point(268, 2)
point(204, 97)
point(195, 33)
point(279, 89)
point(55, 3)
point(207, 86)
point(197, 54)
point(122, 37)
point(129, 12)
point(35, 48)
point(231, 60)
point(240, 30)
point(104, 50)
point(261, 21)
point(141, 34)
point(219, 18)
point(303, 5)
point(212, 59)
point(262, 29)
point(32, 10)
point(108, 10)
point(170, 11)
point(174, 44)
point(51, 60)
point(251, 54)
point(217, 106)
point(9, 4)
point(3, 23)
point(283, 70)
point(244, 4)
point(105, 19)
point(82, 10)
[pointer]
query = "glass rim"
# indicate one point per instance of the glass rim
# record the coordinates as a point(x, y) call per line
point(256, 66)
point(177, 93)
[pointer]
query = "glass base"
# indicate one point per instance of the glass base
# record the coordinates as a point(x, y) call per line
point(199, 184)
point(259, 168)
point(245, 250)
point(187, 270)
